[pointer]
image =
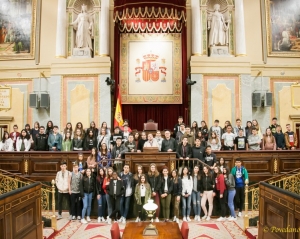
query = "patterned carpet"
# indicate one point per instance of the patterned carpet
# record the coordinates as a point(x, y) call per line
point(94, 230)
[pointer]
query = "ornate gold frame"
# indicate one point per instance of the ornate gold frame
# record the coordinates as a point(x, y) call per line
point(294, 94)
point(34, 35)
point(267, 22)
point(6, 87)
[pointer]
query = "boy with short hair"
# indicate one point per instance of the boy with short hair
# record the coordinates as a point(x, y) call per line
point(177, 126)
point(290, 136)
point(254, 140)
point(241, 177)
point(74, 191)
point(55, 140)
point(217, 129)
point(62, 184)
point(240, 142)
point(228, 139)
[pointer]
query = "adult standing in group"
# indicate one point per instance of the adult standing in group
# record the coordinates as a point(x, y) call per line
point(154, 180)
point(117, 152)
point(207, 193)
point(177, 190)
point(291, 139)
point(166, 189)
point(168, 144)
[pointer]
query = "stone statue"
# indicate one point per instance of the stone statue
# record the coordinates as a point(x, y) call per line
point(83, 26)
point(218, 34)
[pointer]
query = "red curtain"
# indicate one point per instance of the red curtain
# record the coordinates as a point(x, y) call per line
point(165, 115)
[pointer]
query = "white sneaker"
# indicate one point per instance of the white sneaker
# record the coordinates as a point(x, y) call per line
point(102, 219)
point(204, 217)
point(79, 218)
point(157, 220)
point(73, 218)
point(124, 220)
point(88, 219)
point(188, 219)
point(184, 219)
point(198, 219)
point(195, 218)
point(83, 221)
point(70, 217)
point(99, 219)
point(59, 217)
point(137, 219)
point(174, 219)
point(220, 219)
point(208, 218)
point(240, 214)
point(108, 220)
point(228, 218)
point(232, 219)
point(177, 220)
point(120, 220)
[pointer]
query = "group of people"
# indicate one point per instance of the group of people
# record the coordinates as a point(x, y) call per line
point(115, 192)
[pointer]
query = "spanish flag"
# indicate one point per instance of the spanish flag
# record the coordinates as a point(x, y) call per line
point(118, 120)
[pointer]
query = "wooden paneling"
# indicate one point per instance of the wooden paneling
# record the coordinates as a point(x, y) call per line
point(279, 213)
point(43, 166)
point(21, 215)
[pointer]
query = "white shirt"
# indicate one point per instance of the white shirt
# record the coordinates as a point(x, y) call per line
point(166, 184)
point(143, 190)
point(228, 139)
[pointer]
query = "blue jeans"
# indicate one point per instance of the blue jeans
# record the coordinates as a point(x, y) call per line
point(196, 199)
point(186, 206)
point(109, 207)
point(124, 208)
point(231, 194)
point(102, 206)
point(87, 202)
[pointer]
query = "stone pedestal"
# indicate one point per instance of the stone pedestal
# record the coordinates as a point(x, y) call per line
point(82, 53)
point(219, 51)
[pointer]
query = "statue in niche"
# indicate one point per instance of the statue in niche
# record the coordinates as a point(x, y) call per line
point(83, 26)
point(218, 34)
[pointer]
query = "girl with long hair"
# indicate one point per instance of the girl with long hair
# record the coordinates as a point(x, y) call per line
point(69, 129)
point(207, 194)
point(221, 192)
point(91, 161)
point(142, 195)
point(230, 184)
point(103, 137)
point(221, 164)
point(136, 179)
point(248, 129)
point(214, 142)
point(23, 141)
point(94, 129)
point(177, 190)
point(6, 143)
point(87, 187)
point(204, 130)
point(104, 156)
point(269, 142)
point(35, 130)
point(187, 188)
point(153, 178)
point(166, 190)
point(79, 126)
point(101, 198)
point(202, 139)
point(104, 125)
point(136, 138)
point(77, 141)
point(227, 123)
point(195, 128)
point(67, 142)
point(49, 128)
point(256, 125)
point(90, 141)
point(196, 193)
point(106, 182)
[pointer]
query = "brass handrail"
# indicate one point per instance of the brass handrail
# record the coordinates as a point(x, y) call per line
point(10, 181)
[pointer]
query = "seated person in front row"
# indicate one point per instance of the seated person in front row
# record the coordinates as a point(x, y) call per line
point(168, 144)
point(151, 142)
point(117, 153)
point(130, 144)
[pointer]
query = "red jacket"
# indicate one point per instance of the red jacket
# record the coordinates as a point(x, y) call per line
point(11, 135)
point(220, 183)
point(104, 184)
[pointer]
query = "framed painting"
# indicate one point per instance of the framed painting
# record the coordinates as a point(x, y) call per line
point(283, 27)
point(150, 68)
point(18, 30)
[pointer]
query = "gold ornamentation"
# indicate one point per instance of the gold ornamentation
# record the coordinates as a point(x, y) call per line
point(172, 166)
point(275, 166)
point(53, 218)
point(246, 217)
point(26, 166)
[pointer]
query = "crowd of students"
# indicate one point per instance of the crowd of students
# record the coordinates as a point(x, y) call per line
point(115, 191)
point(229, 137)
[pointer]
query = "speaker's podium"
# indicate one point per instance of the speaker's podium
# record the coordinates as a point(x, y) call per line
point(148, 156)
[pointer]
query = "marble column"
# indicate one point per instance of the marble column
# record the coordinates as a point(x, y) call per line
point(196, 28)
point(246, 98)
point(61, 29)
point(104, 28)
point(105, 100)
point(240, 38)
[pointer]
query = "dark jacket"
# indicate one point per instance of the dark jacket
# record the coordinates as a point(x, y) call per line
point(87, 185)
point(120, 190)
point(162, 185)
point(141, 144)
point(199, 184)
point(207, 183)
point(198, 152)
point(280, 141)
point(168, 144)
point(99, 186)
point(188, 152)
point(77, 143)
point(128, 181)
point(41, 142)
point(154, 182)
point(122, 151)
point(114, 137)
point(130, 146)
point(177, 187)
point(86, 144)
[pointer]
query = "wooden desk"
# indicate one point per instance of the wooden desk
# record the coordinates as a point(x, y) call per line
point(165, 230)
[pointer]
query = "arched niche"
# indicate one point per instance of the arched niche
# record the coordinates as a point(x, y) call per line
point(227, 9)
point(73, 9)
